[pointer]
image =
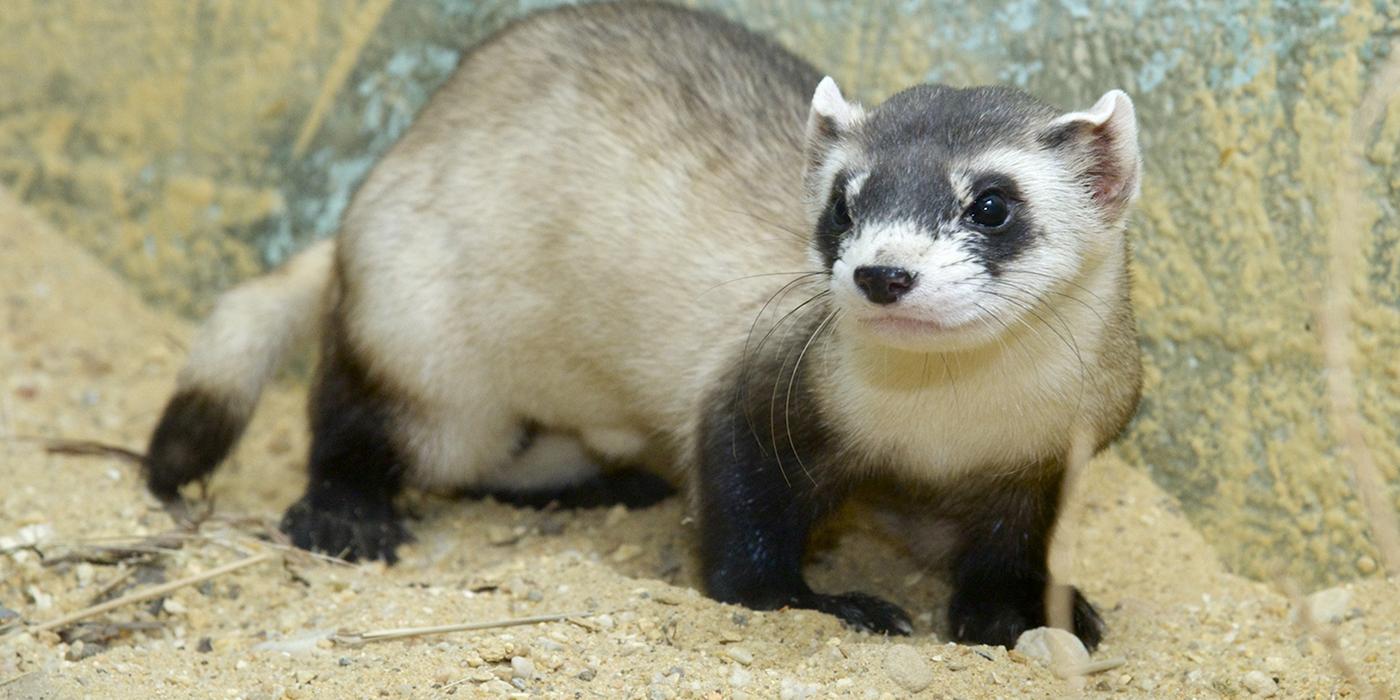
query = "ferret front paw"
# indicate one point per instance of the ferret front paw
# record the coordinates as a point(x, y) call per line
point(998, 616)
point(350, 528)
point(861, 612)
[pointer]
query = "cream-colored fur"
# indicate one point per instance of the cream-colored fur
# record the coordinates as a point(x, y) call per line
point(253, 327)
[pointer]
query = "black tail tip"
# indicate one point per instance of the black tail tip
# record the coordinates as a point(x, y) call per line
point(196, 431)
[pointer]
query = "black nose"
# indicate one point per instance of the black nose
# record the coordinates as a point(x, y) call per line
point(884, 285)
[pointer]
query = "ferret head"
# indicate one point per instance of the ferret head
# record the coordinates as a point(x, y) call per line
point(947, 216)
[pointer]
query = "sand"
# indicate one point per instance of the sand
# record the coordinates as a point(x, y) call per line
point(82, 357)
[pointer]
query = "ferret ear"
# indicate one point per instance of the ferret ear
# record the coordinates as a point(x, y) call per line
point(831, 118)
point(1105, 137)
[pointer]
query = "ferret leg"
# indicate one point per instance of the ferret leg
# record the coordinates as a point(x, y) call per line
point(755, 516)
point(1000, 575)
point(355, 468)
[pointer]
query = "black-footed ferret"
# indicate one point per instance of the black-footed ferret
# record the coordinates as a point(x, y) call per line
point(626, 227)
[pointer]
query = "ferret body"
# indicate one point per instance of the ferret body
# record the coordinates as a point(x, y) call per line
point(625, 228)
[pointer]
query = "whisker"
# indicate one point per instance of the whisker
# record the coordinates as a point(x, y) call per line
point(742, 394)
point(800, 275)
point(787, 400)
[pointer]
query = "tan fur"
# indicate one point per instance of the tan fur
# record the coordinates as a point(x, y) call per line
point(253, 327)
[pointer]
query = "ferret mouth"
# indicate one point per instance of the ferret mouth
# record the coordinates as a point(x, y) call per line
point(907, 325)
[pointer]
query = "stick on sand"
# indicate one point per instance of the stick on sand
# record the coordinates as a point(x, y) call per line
point(401, 632)
point(154, 592)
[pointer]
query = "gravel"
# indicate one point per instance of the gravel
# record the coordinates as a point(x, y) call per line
point(908, 668)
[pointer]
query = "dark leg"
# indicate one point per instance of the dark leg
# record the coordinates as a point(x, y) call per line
point(757, 507)
point(1000, 576)
point(355, 470)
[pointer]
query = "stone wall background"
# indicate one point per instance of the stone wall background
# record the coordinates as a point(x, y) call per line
point(192, 143)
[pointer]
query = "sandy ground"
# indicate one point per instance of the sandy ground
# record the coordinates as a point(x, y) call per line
point(82, 357)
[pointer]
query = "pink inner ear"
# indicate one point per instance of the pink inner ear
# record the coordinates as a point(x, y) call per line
point(1106, 174)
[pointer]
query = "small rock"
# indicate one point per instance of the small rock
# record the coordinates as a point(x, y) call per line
point(205, 645)
point(1260, 684)
point(1053, 647)
point(738, 676)
point(615, 515)
point(521, 667)
point(501, 536)
point(1366, 565)
point(739, 654)
point(626, 552)
point(790, 689)
point(667, 597)
point(174, 607)
point(907, 667)
point(1329, 605)
point(587, 674)
point(344, 661)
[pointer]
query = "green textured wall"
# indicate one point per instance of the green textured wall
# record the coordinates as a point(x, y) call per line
point(191, 143)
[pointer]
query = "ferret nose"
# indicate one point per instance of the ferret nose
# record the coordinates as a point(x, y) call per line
point(884, 285)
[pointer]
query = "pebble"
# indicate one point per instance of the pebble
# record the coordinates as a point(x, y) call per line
point(907, 667)
point(500, 536)
point(615, 515)
point(1053, 647)
point(587, 674)
point(626, 552)
point(738, 676)
point(1329, 605)
point(790, 689)
point(1260, 684)
point(1366, 565)
point(521, 667)
point(739, 654)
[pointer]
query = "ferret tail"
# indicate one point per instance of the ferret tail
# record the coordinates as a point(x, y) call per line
point(237, 350)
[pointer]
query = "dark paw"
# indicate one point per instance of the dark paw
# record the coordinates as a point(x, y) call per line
point(998, 616)
point(353, 529)
point(861, 612)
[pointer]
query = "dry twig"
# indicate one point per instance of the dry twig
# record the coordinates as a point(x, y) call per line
point(404, 632)
point(153, 592)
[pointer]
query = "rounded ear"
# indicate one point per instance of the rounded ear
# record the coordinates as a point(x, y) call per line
point(1105, 138)
point(830, 118)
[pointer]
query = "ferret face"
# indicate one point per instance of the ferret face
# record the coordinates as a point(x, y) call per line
point(948, 217)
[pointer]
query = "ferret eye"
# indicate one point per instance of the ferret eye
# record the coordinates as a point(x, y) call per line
point(990, 210)
point(841, 215)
